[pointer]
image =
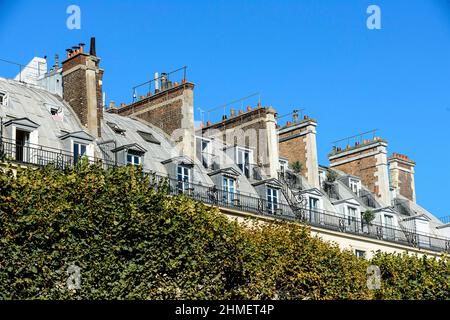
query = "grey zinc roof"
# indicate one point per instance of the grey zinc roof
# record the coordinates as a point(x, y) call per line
point(155, 152)
point(25, 100)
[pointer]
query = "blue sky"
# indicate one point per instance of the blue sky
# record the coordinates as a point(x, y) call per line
point(316, 55)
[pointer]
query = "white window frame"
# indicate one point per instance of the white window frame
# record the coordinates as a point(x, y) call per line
point(4, 100)
point(314, 212)
point(284, 165)
point(183, 178)
point(78, 155)
point(389, 229)
point(273, 199)
point(133, 158)
point(355, 186)
point(241, 166)
point(352, 220)
point(229, 188)
point(206, 154)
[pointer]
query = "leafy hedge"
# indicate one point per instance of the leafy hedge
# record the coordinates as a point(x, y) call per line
point(132, 241)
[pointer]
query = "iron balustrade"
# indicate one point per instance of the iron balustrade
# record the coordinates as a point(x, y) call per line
point(41, 156)
point(210, 194)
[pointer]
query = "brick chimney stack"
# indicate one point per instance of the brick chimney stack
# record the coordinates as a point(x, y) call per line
point(402, 175)
point(297, 142)
point(82, 86)
point(367, 160)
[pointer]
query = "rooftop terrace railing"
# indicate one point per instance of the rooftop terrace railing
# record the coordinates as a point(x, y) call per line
point(210, 194)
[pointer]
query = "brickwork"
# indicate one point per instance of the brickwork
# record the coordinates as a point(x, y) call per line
point(405, 184)
point(253, 121)
point(367, 161)
point(402, 175)
point(365, 168)
point(75, 90)
point(163, 109)
point(294, 149)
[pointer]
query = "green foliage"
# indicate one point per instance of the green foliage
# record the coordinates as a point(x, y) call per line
point(368, 216)
point(413, 277)
point(331, 176)
point(133, 241)
point(297, 166)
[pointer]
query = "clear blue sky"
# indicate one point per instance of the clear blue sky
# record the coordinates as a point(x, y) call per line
point(315, 54)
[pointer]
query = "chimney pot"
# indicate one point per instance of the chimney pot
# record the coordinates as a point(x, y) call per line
point(208, 123)
point(111, 104)
point(122, 104)
point(224, 117)
point(232, 112)
point(149, 94)
point(92, 50)
point(288, 123)
point(202, 125)
point(241, 111)
point(249, 109)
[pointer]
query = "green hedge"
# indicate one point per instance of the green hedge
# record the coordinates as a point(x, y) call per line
point(134, 242)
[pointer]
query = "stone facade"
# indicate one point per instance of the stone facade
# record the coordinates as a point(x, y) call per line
point(297, 142)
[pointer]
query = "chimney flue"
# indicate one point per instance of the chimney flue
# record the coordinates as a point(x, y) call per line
point(92, 51)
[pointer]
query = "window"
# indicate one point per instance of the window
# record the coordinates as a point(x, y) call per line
point(354, 186)
point(360, 254)
point(322, 178)
point(272, 200)
point(283, 165)
point(228, 189)
point(313, 209)
point(133, 158)
point(116, 128)
point(183, 177)
point(243, 161)
point(147, 136)
point(351, 219)
point(79, 150)
point(3, 99)
point(22, 145)
point(204, 152)
point(389, 227)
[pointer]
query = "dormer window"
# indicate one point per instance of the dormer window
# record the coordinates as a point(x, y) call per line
point(3, 99)
point(79, 150)
point(228, 189)
point(283, 165)
point(183, 178)
point(354, 186)
point(204, 151)
point(272, 200)
point(244, 158)
point(116, 128)
point(134, 157)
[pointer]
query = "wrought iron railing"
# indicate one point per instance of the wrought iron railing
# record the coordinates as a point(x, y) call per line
point(41, 155)
point(210, 194)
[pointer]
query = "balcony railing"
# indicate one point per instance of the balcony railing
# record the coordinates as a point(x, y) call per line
point(39, 155)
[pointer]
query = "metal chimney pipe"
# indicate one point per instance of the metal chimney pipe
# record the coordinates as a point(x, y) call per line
point(92, 51)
